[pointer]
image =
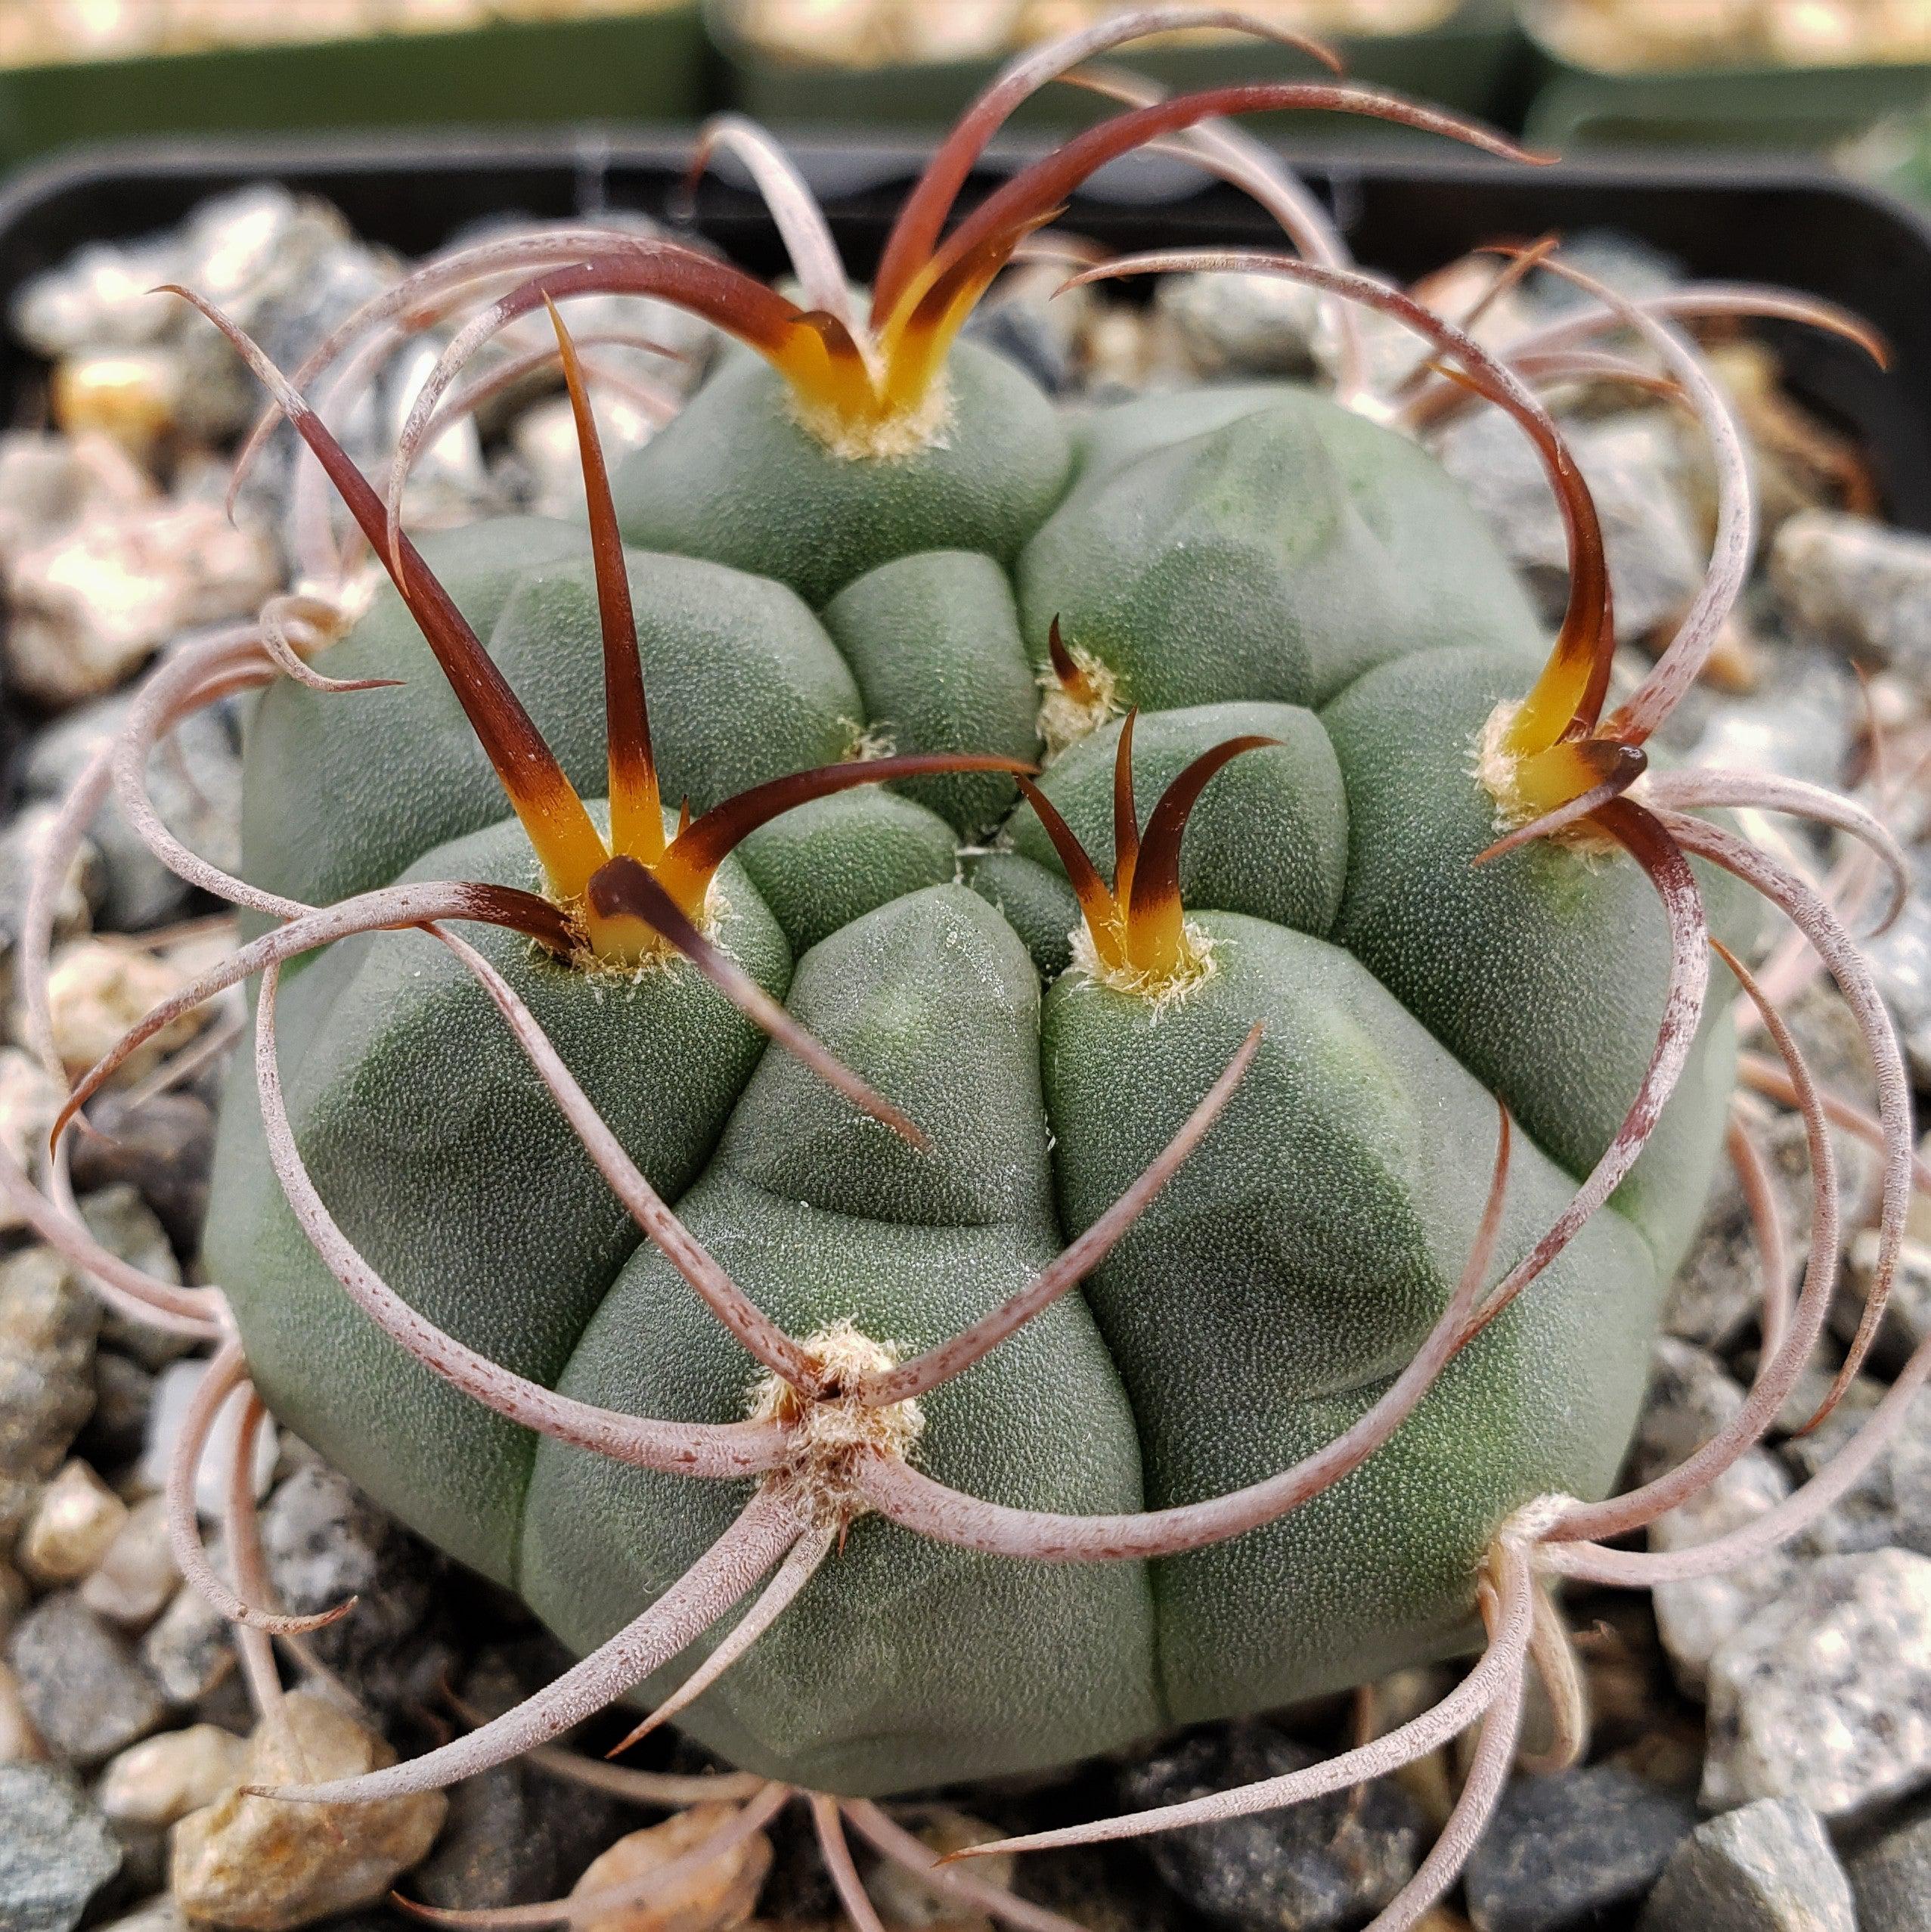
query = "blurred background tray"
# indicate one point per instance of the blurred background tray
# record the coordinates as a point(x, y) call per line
point(1750, 105)
point(649, 65)
point(1789, 223)
point(1468, 62)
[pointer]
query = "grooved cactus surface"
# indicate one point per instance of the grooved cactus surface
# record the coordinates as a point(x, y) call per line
point(1246, 560)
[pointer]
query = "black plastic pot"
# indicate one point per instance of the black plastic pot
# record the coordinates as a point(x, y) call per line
point(652, 61)
point(1788, 224)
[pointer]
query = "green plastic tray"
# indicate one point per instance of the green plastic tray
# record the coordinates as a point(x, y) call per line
point(643, 65)
point(1468, 63)
point(1741, 106)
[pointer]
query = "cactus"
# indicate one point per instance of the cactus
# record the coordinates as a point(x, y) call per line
point(1170, 864)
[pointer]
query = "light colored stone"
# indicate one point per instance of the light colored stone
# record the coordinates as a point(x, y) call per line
point(97, 990)
point(544, 437)
point(91, 604)
point(105, 292)
point(133, 395)
point(1717, 1292)
point(1691, 1396)
point(19, 1742)
point(158, 1915)
point(121, 1221)
point(1891, 1878)
point(1232, 324)
point(23, 847)
point(48, 1324)
point(76, 1519)
point(262, 1866)
point(1856, 584)
point(125, 1225)
point(174, 1390)
point(718, 1897)
point(136, 1576)
point(1797, 724)
point(1825, 1695)
point(1889, 1506)
point(908, 1906)
point(1767, 1868)
point(1693, 1617)
point(1635, 467)
point(30, 1099)
point(50, 482)
point(323, 1542)
point(163, 1778)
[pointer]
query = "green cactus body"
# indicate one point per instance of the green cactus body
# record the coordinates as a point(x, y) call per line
point(1247, 562)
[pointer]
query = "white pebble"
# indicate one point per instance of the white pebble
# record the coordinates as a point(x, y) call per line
point(163, 1778)
point(73, 1523)
point(1825, 1695)
point(30, 1099)
point(260, 1864)
point(136, 1575)
point(719, 1895)
point(1694, 1616)
point(174, 1390)
point(90, 605)
point(97, 989)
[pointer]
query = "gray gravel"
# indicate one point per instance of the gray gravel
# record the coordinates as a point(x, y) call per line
point(56, 1851)
point(1769, 1867)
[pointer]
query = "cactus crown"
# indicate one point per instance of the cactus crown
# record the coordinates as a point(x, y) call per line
point(873, 386)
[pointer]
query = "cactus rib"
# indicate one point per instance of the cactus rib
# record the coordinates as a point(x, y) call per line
point(730, 1448)
point(915, 1501)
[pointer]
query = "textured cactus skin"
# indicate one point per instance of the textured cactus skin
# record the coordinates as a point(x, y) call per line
point(1245, 559)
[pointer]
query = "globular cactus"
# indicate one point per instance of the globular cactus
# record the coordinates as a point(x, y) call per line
point(1172, 865)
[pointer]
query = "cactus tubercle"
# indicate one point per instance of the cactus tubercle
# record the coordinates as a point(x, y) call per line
point(1135, 930)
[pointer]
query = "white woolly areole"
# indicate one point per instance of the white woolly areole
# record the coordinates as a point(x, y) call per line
point(1492, 767)
point(865, 742)
point(829, 1432)
point(1535, 1518)
point(600, 973)
point(1065, 717)
point(1197, 965)
point(885, 438)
